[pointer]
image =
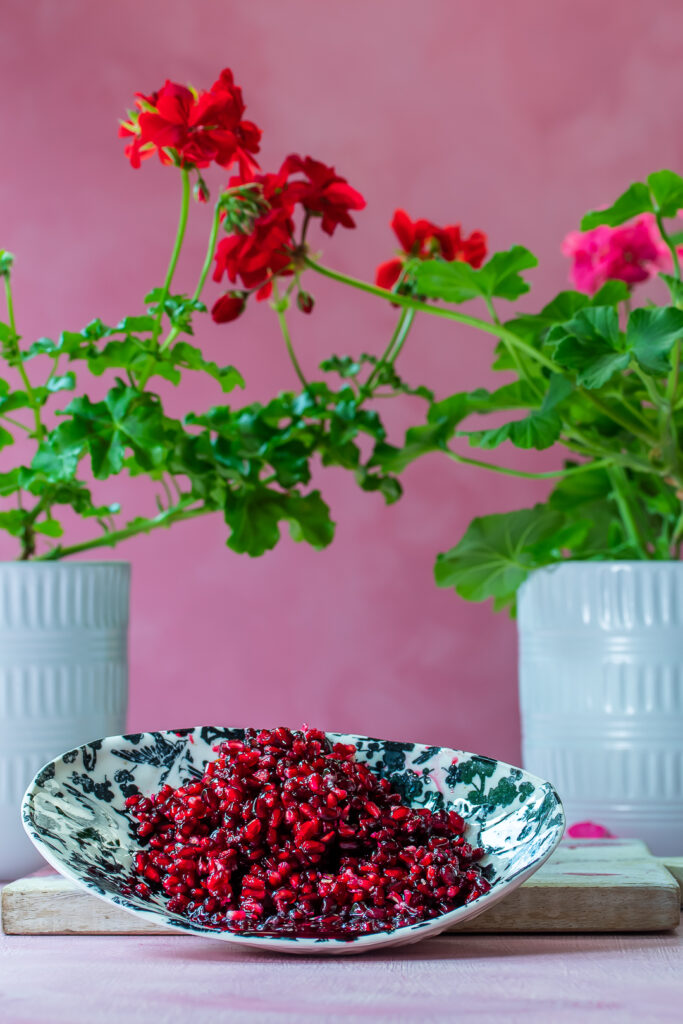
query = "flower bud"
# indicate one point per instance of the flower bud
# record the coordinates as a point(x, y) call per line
point(305, 302)
point(6, 261)
point(201, 191)
point(228, 307)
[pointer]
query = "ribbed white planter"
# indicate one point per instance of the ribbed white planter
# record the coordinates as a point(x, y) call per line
point(63, 676)
point(601, 692)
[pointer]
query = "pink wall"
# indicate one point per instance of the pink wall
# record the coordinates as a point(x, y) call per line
point(509, 117)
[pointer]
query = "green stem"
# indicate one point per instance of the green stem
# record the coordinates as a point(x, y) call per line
point(177, 246)
point(616, 417)
point(208, 259)
point(393, 348)
point(571, 439)
point(677, 538)
point(112, 539)
point(670, 245)
point(512, 351)
point(28, 536)
point(648, 384)
point(166, 287)
point(621, 488)
point(19, 362)
point(280, 307)
point(448, 314)
point(550, 475)
point(670, 444)
point(304, 227)
point(16, 423)
point(672, 381)
point(482, 325)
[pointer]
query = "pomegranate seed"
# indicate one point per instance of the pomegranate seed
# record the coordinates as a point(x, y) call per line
point(252, 831)
point(286, 833)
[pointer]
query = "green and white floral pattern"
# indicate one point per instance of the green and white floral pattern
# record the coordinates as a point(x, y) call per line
point(74, 811)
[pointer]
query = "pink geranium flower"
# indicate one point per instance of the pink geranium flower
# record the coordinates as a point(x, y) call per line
point(588, 830)
point(630, 253)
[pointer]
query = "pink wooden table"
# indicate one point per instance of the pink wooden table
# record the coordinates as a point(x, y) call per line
point(502, 979)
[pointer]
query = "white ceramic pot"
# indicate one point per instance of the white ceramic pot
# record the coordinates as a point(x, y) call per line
point(601, 692)
point(63, 676)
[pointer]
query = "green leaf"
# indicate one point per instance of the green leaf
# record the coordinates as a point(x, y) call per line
point(559, 389)
point(178, 308)
point(67, 382)
point(538, 430)
point(190, 357)
point(125, 419)
point(13, 521)
point(96, 330)
point(591, 345)
point(40, 347)
point(563, 307)
point(496, 554)
point(667, 188)
point(388, 486)
point(502, 272)
point(450, 411)
point(651, 334)
point(345, 366)
point(56, 458)
point(136, 325)
point(444, 416)
point(6, 438)
point(9, 483)
point(457, 281)
point(578, 489)
point(309, 519)
point(452, 282)
point(516, 395)
point(49, 527)
point(254, 519)
point(636, 199)
point(611, 294)
point(674, 285)
point(126, 355)
point(74, 345)
point(13, 400)
point(419, 441)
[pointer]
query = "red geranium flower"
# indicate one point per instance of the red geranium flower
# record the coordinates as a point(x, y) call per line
point(470, 250)
point(262, 241)
point(325, 193)
point(228, 307)
point(422, 239)
point(193, 129)
point(257, 257)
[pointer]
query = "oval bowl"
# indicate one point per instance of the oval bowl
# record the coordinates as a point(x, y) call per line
point(74, 812)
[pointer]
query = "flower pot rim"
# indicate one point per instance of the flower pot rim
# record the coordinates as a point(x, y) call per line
point(609, 563)
point(60, 563)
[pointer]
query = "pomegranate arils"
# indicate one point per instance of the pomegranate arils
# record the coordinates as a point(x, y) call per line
point(286, 833)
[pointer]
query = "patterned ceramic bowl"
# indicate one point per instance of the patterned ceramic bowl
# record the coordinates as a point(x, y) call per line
point(74, 812)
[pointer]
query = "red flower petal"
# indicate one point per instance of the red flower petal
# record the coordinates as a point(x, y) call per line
point(404, 229)
point(387, 274)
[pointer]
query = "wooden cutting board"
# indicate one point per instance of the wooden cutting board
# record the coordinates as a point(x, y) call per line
point(586, 886)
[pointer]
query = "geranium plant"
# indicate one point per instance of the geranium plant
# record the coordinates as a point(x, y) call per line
point(589, 374)
point(251, 463)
